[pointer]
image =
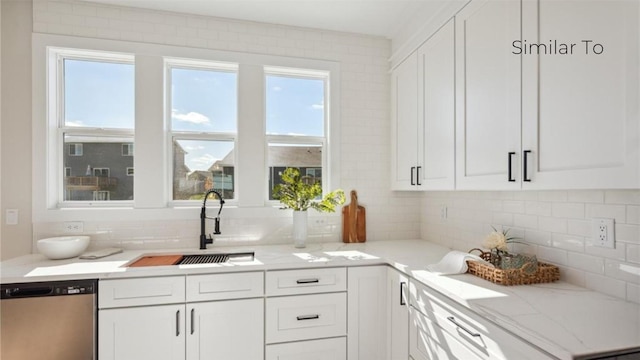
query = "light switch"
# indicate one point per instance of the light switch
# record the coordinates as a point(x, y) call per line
point(11, 217)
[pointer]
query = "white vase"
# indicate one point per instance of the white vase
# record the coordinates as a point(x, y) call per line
point(299, 228)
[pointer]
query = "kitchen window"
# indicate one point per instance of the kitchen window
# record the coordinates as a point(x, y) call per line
point(296, 122)
point(95, 103)
point(185, 119)
point(203, 117)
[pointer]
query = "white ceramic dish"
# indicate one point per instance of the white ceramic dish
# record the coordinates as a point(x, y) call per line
point(63, 247)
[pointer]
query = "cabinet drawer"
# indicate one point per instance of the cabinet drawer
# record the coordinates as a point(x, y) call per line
point(225, 286)
point(325, 349)
point(140, 291)
point(424, 346)
point(293, 282)
point(305, 317)
point(488, 340)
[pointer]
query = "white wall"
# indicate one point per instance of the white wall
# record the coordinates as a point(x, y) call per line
point(16, 126)
point(364, 118)
point(555, 224)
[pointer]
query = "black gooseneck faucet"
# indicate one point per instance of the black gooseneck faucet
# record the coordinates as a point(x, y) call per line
point(203, 215)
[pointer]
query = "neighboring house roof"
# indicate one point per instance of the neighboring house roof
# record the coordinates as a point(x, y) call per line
point(200, 175)
point(281, 156)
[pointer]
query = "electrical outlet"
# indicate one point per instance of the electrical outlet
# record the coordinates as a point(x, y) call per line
point(11, 217)
point(602, 233)
point(443, 212)
point(73, 226)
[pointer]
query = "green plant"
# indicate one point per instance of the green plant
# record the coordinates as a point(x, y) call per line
point(299, 194)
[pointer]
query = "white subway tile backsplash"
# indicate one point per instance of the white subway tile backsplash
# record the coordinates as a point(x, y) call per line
point(633, 253)
point(633, 214)
point(606, 285)
point(623, 271)
point(568, 210)
point(552, 224)
point(552, 255)
point(622, 197)
point(579, 227)
point(567, 242)
point(617, 212)
point(618, 253)
point(586, 196)
point(525, 221)
point(513, 206)
point(553, 196)
point(593, 264)
point(627, 233)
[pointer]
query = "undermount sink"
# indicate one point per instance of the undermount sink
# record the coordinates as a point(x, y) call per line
point(191, 259)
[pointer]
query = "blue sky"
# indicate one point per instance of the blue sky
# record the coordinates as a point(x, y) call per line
point(102, 95)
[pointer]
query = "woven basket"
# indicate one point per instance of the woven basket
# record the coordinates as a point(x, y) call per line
point(546, 272)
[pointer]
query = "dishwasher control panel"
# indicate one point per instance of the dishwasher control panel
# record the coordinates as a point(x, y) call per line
point(57, 288)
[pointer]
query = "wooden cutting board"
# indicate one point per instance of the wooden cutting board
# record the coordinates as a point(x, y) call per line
point(354, 222)
point(157, 260)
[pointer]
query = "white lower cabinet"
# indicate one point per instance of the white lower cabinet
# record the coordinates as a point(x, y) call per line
point(134, 324)
point(226, 330)
point(441, 329)
point(306, 314)
point(325, 349)
point(397, 315)
point(151, 332)
point(367, 313)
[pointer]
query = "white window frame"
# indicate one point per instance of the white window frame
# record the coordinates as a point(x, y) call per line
point(151, 178)
point(67, 170)
point(191, 64)
point(56, 115)
point(321, 141)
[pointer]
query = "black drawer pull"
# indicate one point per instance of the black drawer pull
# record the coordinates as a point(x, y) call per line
point(308, 317)
point(193, 321)
point(178, 323)
point(453, 320)
point(402, 300)
point(307, 281)
point(412, 170)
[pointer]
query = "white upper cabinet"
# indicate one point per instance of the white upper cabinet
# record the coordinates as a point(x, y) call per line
point(404, 125)
point(580, 94)
point(487, 95)
point(436, 111)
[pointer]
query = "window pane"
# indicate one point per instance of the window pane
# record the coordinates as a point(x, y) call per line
point(98, 94)
point(307, 158)
point(200, 165)
point(203, 100)
point(294, 106)
point(101, 172)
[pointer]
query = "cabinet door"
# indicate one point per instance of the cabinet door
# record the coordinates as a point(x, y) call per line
point(231, 329)
point(398, 315)
point(153, 333)
point(580, 109)
point(487, 95)
point(404, 124)
point(367, 288)
point(436, 95)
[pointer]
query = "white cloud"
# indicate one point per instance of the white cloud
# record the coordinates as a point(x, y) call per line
point(191, 117)
point(318, 106)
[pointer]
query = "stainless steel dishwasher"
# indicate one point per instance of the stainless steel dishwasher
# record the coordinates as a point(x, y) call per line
point(52, 320)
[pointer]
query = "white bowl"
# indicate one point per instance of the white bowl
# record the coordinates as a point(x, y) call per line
point(63, 247)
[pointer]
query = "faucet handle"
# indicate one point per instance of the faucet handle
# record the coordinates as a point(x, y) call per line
point(216, 230)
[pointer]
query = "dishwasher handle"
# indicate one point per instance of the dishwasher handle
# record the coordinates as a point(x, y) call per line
point(18, 292)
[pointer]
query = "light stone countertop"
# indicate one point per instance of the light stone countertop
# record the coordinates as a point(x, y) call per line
point(563, 319)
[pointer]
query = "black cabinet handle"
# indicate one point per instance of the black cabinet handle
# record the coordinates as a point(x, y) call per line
point(192, 321)
point(418, 175)
point(402, 301)
point(525, 156)
point(510, 167)
point(307, 281)
point(178, 323)
point(412, 169)
point(308, 317)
